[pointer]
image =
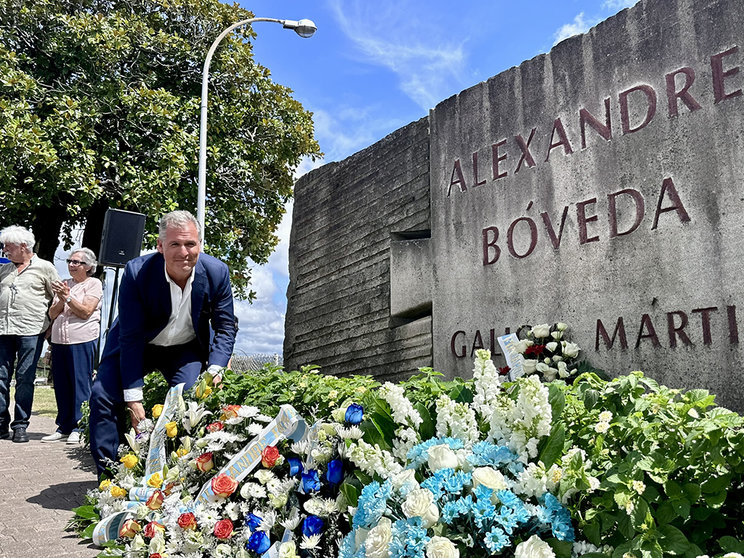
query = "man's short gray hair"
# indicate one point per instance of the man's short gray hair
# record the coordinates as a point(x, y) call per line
point(177, 219)
point(18, 235)
point(89, 257)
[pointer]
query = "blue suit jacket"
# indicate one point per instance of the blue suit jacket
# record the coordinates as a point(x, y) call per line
point(145, 307)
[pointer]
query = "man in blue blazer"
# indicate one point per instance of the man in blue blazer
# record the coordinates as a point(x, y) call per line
point(175, 316)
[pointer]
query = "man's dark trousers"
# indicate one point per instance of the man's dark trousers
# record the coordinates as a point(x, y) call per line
point(178, 363)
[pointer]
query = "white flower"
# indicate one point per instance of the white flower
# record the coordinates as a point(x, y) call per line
point(489, 477)
point(264, 476)
point(552, 346)
point(560, 326)
point(629, 507)
point(252, 490)
point(308, 543)
point(442, 457)
point(406, 476)
point(639, 486)
point(732, 555)
point(287, 550)
point(441, 547)
point(562, 370)
point(556, 335)
point(601, 427)
point(534, 547)
point(540, 331)
point(420, 503)
point(378, 539)
point(529, 365)
point(402, 409)
point(605, 416)
point(571, 350)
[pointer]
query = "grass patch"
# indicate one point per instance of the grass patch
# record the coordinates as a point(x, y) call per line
point(44, 402)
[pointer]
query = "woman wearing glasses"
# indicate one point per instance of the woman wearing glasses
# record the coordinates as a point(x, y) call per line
point(76, 311)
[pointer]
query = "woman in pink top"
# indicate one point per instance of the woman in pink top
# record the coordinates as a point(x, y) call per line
point(76, 311)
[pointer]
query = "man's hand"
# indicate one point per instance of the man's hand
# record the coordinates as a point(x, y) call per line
point(136, 413)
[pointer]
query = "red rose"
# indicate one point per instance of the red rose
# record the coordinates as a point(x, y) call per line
point(204, 462)
point(215, 426)
point(269, 456)
point(187, 521)
point(223, 529)
point(534, 350)
point(223, 485)
point(152, 529)
point(156, 555)
point(155, 501)
point(504, 370)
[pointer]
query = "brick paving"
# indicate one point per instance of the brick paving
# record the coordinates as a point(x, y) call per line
point(39, 486)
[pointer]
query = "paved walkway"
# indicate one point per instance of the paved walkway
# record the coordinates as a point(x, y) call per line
point(39, 485)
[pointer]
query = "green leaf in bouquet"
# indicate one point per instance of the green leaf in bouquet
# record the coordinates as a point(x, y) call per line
point(87, 533)
point(351, 493)
point(591, 398)
point(715, 500)
point(681, 507)
point(86, 512)
point(427, 429)
point(562, 549)
point(640, 515)
point(363, 477)
point(624, 525)
point(673, 489)
point(461, 394)
point(731, 544)
point(715, 484)
point(692, 491)
point(591, 532)
point(557, 400)
point(665, 513)
point(551, 448)
point(672, 540)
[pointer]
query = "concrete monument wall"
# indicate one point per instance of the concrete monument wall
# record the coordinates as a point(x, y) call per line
point(598, 185)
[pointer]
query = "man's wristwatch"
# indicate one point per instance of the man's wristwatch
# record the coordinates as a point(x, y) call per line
point(68, 299)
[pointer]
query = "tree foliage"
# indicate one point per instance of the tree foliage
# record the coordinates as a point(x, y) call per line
point(99, 107)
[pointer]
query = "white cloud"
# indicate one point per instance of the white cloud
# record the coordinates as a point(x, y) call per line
point(388, 35)
point(577, 27)
point(617, 5)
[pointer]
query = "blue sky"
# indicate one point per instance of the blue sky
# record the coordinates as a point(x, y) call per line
point(373, 67)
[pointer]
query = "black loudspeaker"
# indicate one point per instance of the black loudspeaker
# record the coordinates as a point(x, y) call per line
point(122, 237)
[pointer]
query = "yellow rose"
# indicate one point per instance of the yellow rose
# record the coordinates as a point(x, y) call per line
point(157, 410)
point(180, 452)
point(117, 492)
point(155, 480)
point(171, 429)
point(130, 460)
point(105, 484)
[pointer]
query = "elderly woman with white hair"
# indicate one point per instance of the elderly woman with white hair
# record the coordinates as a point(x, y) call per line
point(76, 311)
point(25, 293)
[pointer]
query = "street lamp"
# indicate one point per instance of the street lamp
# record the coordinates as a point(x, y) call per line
point(304, 28)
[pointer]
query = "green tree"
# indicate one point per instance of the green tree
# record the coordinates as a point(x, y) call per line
point(99, 107)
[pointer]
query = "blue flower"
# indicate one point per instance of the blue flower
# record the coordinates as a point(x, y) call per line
point(409, 539)
point(335, 471)
point(496, 540)
point(295, 466)
point(252, 521)
point(372, 504)
point(310, 481)
point(354, 414)
point(312, 525)
point(259, 542)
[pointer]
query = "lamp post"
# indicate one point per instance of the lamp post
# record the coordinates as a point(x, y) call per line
point(304, 28)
